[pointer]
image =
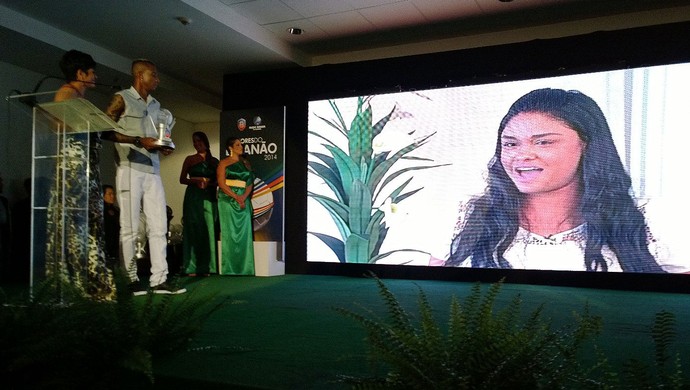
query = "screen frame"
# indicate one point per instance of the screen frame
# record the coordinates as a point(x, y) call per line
point(295, 87)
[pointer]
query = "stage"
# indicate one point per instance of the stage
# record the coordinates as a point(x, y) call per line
point(282, 332)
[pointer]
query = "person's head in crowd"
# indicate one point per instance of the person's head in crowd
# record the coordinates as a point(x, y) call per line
point(79, 66)
point(201, 144)
point(582, 159)
point(109, 194)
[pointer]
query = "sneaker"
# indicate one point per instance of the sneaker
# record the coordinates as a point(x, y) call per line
point(165, 288)
point(136, 289)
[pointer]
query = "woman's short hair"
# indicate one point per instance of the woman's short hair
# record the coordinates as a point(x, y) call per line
point(73, 61)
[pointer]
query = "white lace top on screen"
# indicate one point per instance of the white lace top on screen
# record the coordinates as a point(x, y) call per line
point(565, 251)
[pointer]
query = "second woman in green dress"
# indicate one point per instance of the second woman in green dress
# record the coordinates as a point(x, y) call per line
point(200, 210)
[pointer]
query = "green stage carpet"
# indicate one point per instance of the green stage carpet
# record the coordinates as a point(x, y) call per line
point(282, 332)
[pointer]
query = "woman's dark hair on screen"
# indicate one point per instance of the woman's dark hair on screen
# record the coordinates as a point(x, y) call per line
point(605, 205)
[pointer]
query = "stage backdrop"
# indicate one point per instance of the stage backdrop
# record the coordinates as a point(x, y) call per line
point(262, 133)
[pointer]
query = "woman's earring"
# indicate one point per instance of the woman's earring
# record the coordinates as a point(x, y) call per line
point(230, 152)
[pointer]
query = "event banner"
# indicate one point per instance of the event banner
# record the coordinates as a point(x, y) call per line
point(262, 132)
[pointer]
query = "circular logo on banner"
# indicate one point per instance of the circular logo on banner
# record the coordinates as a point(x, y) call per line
point(241, 124)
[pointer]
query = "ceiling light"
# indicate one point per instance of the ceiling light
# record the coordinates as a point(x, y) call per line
point(184, 20)
point(295, 31)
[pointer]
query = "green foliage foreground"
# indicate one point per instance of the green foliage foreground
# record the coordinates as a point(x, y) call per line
point(67, 341)
point(485, 348)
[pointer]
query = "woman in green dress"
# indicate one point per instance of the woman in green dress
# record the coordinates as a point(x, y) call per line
point(200, 209)
point(235, 181)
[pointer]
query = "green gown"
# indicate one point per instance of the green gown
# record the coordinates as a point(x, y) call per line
point(236, 233)
point(199, 218)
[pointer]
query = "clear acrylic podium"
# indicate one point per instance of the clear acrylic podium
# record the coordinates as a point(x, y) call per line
point(62, 135)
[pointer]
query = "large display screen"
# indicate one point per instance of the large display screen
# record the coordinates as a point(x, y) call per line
point(519, 174)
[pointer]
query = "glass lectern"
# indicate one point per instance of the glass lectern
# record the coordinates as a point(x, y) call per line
point(62, 136)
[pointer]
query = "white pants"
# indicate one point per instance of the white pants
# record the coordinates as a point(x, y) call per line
point(136, 191)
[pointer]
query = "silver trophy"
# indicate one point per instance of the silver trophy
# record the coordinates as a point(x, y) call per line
point(164, 127)
point(141, 239)
point(139, 251)
point(139, 247)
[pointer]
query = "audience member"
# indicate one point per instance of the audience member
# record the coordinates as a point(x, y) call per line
point(111, 225)
point(174, 249)
point(21, 237)
point(5, 232)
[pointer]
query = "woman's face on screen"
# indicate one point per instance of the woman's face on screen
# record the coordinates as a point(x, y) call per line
point(540, 153)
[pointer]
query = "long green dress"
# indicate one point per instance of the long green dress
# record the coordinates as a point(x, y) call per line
point(199, 218)
point(236, 233)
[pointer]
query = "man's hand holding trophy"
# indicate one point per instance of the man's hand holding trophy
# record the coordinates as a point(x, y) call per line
point(166, 121)
point(164, 125)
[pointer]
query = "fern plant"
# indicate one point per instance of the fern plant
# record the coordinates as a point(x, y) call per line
point(358, 178)
point(665, 371)
point(46, 343)
point(480, 348)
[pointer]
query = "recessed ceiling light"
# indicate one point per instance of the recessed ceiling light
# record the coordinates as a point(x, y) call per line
point(295, 31)
point(184, 20)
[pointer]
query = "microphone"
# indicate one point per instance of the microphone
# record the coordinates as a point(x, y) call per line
point(115, 87)
point(31, 100)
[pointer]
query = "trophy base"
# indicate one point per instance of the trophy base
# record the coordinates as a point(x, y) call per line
point(165, 143)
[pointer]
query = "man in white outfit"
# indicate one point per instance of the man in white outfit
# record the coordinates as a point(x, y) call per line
point(138, 181)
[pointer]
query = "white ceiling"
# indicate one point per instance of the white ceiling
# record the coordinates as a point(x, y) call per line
point(237, 36)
